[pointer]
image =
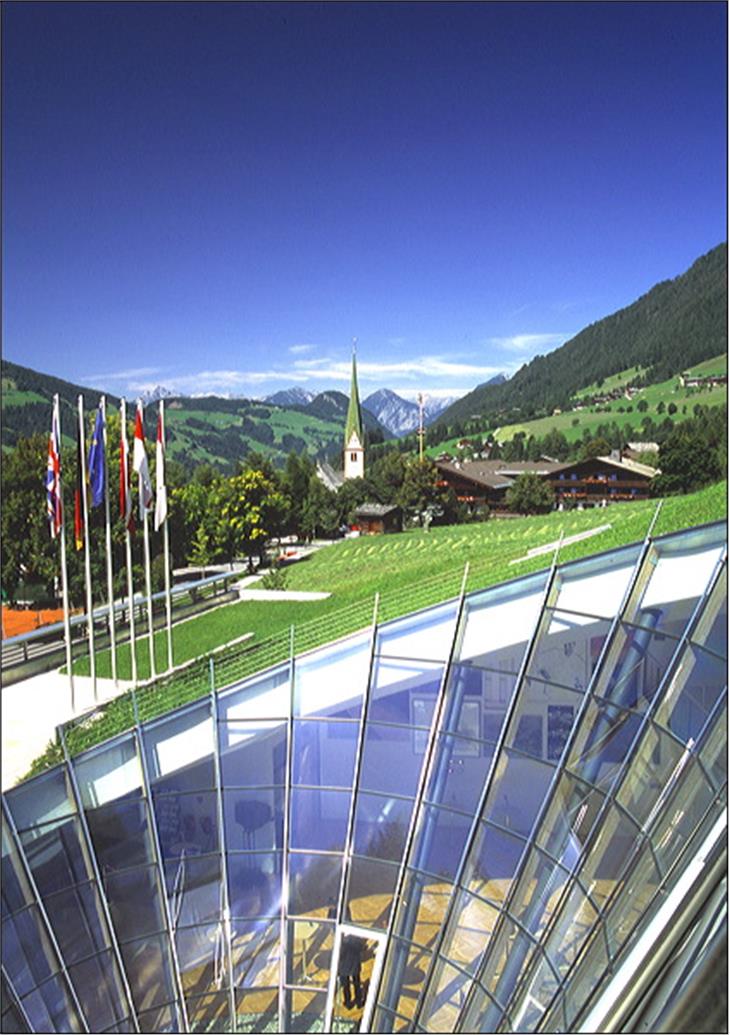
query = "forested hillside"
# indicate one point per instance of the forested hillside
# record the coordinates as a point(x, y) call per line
point(677, 324)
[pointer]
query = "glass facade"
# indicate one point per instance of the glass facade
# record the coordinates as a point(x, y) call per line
point(458, 820)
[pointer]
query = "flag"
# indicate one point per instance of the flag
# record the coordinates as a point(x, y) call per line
point(78, 498)
point(140, 465)
point(125, 495)
point(97, 460)
point(161, 499)
point(53, 476)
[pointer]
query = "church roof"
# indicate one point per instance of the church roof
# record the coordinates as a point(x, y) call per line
point(354, 418)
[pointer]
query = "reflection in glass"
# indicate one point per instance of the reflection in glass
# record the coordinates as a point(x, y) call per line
point(262, 697)
point(309, 952)
point(427, 635)
point(323, 753)
point(381, 826)
point(404, 692)
point(471, 925)
point(314, 883)
point(257, 1011)
point(392, 758)
point(698, 680)
point(254, 818)
point(255, 952)
point(493, 862)
point(370, 889)
point(252, 754)
point(318, 819)
point(331, 682)
point(254, 884)
point(179, 751)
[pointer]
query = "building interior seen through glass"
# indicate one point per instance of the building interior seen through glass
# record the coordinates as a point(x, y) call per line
point(464, 819)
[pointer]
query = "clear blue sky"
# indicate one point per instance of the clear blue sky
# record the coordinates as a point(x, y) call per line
point(220, 196)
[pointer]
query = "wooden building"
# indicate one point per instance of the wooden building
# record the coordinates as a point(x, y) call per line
point(377, 518)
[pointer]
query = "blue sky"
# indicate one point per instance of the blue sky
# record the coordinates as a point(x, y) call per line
point(219, 197)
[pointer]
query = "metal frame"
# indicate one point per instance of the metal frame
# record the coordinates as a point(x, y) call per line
point(367, 935)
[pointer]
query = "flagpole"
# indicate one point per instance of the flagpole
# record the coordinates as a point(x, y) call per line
point(144, 508)
point(64, 572)
point(124, 459)
point(108, 533)
point(148, 587)
point(87, 551)
point(166, 549)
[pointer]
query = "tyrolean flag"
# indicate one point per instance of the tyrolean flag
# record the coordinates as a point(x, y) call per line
point(125, 494)
point(140, 465)
point(97, 460)
point(161, 496)
point(53, 476)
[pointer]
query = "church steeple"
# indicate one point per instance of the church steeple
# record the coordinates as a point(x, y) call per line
point(354, 439)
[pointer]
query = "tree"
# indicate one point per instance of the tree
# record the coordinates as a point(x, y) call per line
point(642, 406)
point(319, 514)
point(530, 494)
point(249, 510)
point(672, 409)
point(595, 447)
point(423, 499)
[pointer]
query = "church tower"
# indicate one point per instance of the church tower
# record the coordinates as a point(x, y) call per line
point(354, 465)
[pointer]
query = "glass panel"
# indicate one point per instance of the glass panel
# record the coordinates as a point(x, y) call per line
point(428, 634)
point(108, 773)
point(159, 1019)
point(477, 699)
point(448, 990)
point(314, 884)
point(461, 767)
point(576, 920)
point(538, 892)
point(533, 1002)
point(655, 768)
point(15, 889)
point(201, 958)
point(194, 889)
point(256, 952)
point(682, 568)
point(682, 815)
point(323, 754)
point(470, 929)
point(493, 863)
point(76, 921)
point(209, 1013)
point(711, 629)
point(381, 826)
point(100, 991)
point(257, 1011)
point(405, 971)
point(318, 819)
point(28, 956)
point(589, 975)
point(179, 751)
point(55, 855)
point(636, 666)
point(508, 954)
point(602, 869)
point(696, 684)
point(61, 1011)
point(543, 719)
point(404, 692)
point(713, 747)
point(147, 964)
point(265, 697)
point(441, 840)
point(309, 953)
point(370, 891)
point(254, 884)
point(518, 790)
point(597, 585)
point(120, 835)
point(633, 901)
point(305, 1010)
point(331, 682)
point(498, 623)
point(392, 757)
point(569, 819)
point(602, 743)
point(187, 824)
point(253, 754)
point(44, 798)
point(135, 901)
point(568, 649)
point(422, 907)
point(254, 819)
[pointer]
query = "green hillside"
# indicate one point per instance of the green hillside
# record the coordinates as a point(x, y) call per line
point(211, 430)
point(680, 320)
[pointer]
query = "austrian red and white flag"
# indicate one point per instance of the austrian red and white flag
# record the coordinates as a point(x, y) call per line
point(125, 493)
point(161, 493)
point(140, 465)
point(54, 505)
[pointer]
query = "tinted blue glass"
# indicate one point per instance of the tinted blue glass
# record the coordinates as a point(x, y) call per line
point(37, 1012)
point(460, 769)
point(392, 757)
point(314, 883)
point(517, 792)
point(62, 1013)
point(568, 649)
point(41, 799)
point(55, 856)
point(76, 920)
point(602, 742)
point(252, 754)
point(633, 677)
point(14, 888)
point(209, 1013)
point(404, 691)
point(100, 991)
point(109, 772)
point(159, 1020)
point(254, 884)
point(318, 819)
point(543, 719)
point(305, 1010)
point(255, 946)
point(370, 888)
point(201, 958)
point(179, 751)
point(324, 753)
point(697, 683)
point(331, 682)
point(194, 889)
point(712, 632)
point(148, 967)
point(567, 823)
point(27, 953)
point(262, 697)
point(381, 826)
point(135, 901)
point(428, 634)
point(254, 819)
point(440, 841)
point(120, 834)
point(186, 823)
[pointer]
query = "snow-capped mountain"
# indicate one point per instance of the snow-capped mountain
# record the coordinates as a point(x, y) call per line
point(158, 392)
point(400, 416)
point(291, 397)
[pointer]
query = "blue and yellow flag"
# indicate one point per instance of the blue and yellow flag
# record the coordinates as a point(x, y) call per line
point(97, 460)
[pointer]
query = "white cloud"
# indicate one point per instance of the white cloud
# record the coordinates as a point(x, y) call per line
point(128, 375)
point(299, 349)
point(532, 343)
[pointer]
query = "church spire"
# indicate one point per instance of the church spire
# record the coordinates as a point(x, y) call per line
point(354, 417)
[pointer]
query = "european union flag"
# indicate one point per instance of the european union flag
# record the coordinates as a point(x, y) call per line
point(97, 461)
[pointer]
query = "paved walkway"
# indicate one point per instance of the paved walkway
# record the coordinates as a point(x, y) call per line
point(31, 710)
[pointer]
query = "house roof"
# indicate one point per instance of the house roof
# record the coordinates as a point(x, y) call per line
point(497, 474)
point(375, 510)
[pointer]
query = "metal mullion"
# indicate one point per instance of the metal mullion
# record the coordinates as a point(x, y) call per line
point(425, 773)
point(646, 720)
point(561, 768)
point(169, 928)
point(91, 855)
point(38, 902)
point(15, 998)
point(222, 848)
point(498, 747)
point(284, 906)
point(354, 791)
